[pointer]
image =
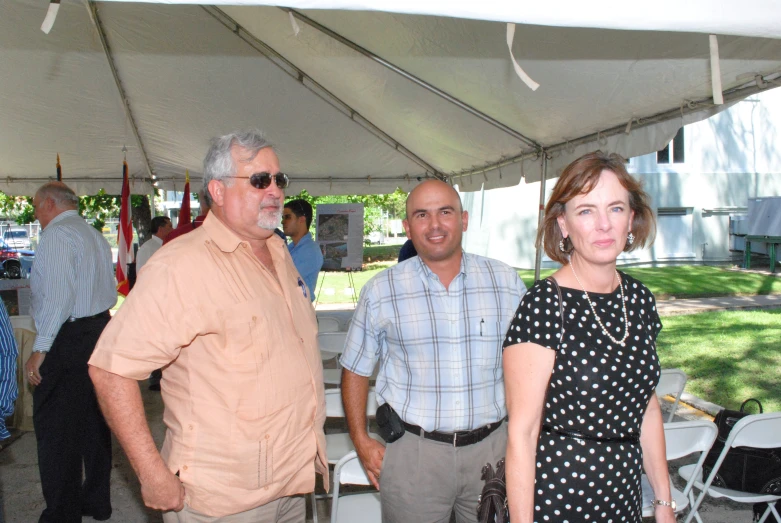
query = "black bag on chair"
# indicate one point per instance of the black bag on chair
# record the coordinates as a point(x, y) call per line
point(744, 468)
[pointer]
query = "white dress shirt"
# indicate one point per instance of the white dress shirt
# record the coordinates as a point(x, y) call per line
point(72, 276)
point(146, 251)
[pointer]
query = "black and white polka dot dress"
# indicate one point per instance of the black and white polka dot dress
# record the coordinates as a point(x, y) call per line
point(597, 388)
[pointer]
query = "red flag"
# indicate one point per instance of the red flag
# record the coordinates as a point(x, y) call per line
point(124, 236)
point(184, 212)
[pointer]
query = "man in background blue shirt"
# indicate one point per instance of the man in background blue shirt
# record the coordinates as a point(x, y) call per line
point(296, 219)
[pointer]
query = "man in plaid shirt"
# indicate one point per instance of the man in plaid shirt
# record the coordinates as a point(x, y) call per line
point(436, 324)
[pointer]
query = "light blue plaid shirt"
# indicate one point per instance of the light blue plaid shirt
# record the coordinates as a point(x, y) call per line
point(440, 350)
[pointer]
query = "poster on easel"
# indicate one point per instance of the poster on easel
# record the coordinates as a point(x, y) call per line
point(339, 233)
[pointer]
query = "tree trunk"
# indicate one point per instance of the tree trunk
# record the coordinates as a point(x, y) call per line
point(142, 220)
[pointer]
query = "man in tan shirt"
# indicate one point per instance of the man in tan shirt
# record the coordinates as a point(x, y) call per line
point(243, 386)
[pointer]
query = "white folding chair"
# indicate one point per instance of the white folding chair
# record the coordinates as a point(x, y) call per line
point(672, 382)
point(332, 377)
point(328, 324)
point(331, 344)
point(363, 507)
point(682, 439)
point(339, 444)
point(757, 430)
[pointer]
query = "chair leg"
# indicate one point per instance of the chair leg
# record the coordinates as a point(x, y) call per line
point(313, 498)
point(771, 507)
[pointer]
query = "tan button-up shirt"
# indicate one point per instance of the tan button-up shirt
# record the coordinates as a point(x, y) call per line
point(243, 390)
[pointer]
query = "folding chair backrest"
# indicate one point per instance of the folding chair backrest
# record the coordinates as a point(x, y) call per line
point(687, 437)
point(354, 508)
point(672, 382)
point(351, 472)
point(757, 430)
point(328, 324)
point(332, 341)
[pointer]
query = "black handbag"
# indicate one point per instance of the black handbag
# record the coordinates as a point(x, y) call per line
point(747, 469)
point(492, 503)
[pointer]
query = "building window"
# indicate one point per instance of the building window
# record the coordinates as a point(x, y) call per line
point(674, 154)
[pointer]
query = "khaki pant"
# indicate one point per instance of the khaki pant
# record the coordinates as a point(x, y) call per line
point(283, 510)
point(424, 481)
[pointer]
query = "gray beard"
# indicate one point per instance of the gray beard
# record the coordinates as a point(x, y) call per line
point(269, 221)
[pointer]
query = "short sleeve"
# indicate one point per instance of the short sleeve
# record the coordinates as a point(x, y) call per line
point(538, 318)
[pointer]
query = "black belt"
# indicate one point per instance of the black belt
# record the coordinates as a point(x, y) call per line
point(629, 438)
point(458, 439)
point(104, 314)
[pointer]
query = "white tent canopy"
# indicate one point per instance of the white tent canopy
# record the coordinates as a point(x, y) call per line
point(362, 101)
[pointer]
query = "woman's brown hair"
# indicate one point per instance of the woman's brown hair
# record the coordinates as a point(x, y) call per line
point(580, 177)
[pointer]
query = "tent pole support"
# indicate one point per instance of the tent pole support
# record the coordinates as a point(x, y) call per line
point(310, 83)
point(92, 9)
point(541, 213)
point(412, 78)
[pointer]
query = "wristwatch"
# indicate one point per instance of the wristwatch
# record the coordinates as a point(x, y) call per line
point(662, 503)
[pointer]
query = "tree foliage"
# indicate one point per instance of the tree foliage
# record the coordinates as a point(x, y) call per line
point(98, 208)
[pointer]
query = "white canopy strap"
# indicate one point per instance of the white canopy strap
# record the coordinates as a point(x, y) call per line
point(715, 71)
point(294, 24)
point(51, 15)
point(531, 84)
point(415, 79)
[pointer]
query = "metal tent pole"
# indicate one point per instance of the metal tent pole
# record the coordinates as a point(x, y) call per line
point(541, 214)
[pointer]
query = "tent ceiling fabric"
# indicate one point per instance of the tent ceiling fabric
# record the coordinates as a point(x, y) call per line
point(346, 124)
point(727, 17)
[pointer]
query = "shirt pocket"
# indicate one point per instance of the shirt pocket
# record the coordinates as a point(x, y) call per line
point(254, 468)
point(246, 354)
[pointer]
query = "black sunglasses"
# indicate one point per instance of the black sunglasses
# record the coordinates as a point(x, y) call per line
point(263, 180)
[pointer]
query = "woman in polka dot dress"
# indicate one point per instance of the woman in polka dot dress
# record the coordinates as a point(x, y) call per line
point(583, 417)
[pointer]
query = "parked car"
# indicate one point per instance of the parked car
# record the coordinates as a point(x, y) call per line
point(11, 260)
point(17, 238)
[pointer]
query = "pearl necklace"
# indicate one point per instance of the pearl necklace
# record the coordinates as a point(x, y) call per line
point(594, 310)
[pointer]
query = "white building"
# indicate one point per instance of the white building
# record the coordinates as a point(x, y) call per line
point(706, 174)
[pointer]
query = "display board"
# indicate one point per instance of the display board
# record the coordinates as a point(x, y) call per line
point(16, 296)
point(339, 233)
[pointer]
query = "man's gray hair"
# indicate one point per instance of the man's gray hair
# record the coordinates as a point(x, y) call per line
point(218, 164)
point(63, 196)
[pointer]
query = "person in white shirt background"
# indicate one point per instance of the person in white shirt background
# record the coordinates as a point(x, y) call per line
point(161, 227)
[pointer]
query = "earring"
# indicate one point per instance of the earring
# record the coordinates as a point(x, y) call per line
point(561, 245)
point(631, 238)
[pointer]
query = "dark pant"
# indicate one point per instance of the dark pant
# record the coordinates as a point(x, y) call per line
point(70, 428)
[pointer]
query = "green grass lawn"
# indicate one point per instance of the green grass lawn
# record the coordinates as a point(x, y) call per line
point(728, 356)
point(665, 282)
point(692, 281)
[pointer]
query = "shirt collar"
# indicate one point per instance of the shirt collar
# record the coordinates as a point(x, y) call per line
point(307, 238)
point(60, 217)
point(225, 238)
point(426, 274)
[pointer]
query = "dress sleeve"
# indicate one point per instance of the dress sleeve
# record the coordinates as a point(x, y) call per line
point(538, 318)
